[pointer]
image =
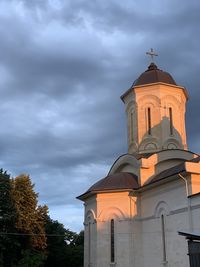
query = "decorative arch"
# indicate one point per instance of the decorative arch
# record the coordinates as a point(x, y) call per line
point(170, 100)
point(90, 216)
point(123, 162)
point(172, 146)
point(153, 141)
point(161, 211)
point(149, 100)
point(150, 146)
point(172, 142)
point(131, 106)
point(131, 122)
point(111, 213)
point(161, 208)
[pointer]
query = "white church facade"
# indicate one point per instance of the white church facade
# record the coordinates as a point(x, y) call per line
point(134, 214)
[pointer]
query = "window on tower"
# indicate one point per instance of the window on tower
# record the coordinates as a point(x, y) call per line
point(149, 120)
point(171, 121)
point(131, 127)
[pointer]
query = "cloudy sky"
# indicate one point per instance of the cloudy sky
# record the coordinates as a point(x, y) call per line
point(64, 65)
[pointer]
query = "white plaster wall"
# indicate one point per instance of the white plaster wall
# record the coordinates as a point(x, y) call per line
point(120, 207)
point(107, 206)
point(195, 210)
point(169, 199)
point(176, 246)
point(138, 235)
point(123, 246)
point(172, 193)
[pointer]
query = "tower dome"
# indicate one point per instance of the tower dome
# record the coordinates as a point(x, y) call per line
point(154, 75)
point(155, 107)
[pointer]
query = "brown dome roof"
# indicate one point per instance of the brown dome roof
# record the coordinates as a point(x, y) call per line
point(117, 181)
point(120, 180)
point(154, 75)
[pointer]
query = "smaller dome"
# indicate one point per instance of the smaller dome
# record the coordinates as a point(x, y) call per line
point(115, 182)
point(121, 180)
point(154, 75)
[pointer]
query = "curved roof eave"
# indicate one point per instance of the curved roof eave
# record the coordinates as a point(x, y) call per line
point(93, 193)
point(124, 159)
point(158, 83)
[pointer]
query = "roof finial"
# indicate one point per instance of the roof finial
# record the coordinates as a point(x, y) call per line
point(152, 54)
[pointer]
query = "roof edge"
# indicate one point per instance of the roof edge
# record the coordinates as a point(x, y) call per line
point(151, 84)
point(94, 192)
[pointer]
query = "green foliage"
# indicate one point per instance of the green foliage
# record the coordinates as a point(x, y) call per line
point(28, 236)
point(76, 250)
point(31, 258)
point(9, 245)
point(80, 239)
point(7, 209)
point(65, 248)
point(31, 217)
point(56, 244)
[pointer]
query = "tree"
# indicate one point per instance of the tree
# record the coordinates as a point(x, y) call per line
point(65, 248)
point(30, 221)
point(31, 258)
point(28, 236)
point(74, 256)
point(74, 251)
point(9, 244)
point(56, 243)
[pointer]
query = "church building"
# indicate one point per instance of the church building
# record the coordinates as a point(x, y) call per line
point(134, 214)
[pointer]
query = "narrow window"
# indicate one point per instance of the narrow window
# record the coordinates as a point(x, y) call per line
point(149, 120)
point(112, 241)
point(131, 125)
point(163, 237)
point(171, 121)
point(89, 243)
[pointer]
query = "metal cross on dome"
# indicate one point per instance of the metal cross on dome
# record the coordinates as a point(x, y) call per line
point(151, 54)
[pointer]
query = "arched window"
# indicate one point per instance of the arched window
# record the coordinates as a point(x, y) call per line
point(89, 242)
point(171, 121)
point(149, 120)
point(163, 238)
point(131, 127)
point(112, 240)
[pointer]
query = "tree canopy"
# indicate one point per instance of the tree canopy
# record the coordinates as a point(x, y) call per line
point(28, 236)
point(31, 217)
point(8, 216)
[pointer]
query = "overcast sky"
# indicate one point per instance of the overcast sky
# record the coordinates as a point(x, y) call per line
point(64, 65)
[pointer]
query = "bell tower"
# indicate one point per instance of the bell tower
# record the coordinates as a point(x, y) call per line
point(155, 107)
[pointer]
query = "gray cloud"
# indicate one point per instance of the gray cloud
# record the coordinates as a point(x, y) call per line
point(63, 67)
